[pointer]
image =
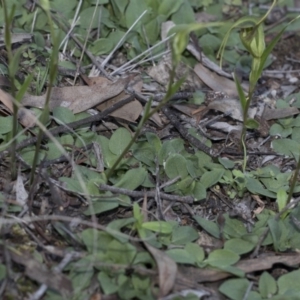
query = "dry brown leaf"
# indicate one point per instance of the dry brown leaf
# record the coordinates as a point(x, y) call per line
point(278, 113)
point(167, 270)
point(129, 112)
point(7, 100)
point(38, 272)
point(189, 109)
point(161, 73)
point(79, 98)
point(25, 116)
point(246, 265)
point(17, 38)
point(231, 107)
point(216, 82)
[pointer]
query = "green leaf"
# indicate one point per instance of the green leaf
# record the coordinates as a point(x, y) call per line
point(184, 234)
point(168, 7)
point(108, 156)
point(239, 246)
point(267, 285)
point(199, 191)
point(102, 206)
point(137, 214)
point(121, 253)
point(210, 178)
point(154, 140)
point(242, 96)
point(2, 271)
point(168, 148)
point(108, 284)
point(277, 129)
point(281, 200)
point(132, 179)
point(158, 226)
point(86, 15)
point(63, 115)
point(226, 163)
point(209, 226)
point(181, 256)
point(75, 186)
point(222, 258)
point(251, 124)
point(289, 282)
point(234, 227)
point(195, 251)
point(6, 124)
point(279, 234)
point(234, 289)
point(119, 141)
point(287, 147)
point(14, 65)
point(81, 280)
point(184, 15)
point(102, 46)
point(134, 10)
point(95, 240)
point(176, 166)
point(233, 270)
point(255, 187)
point(145, 153)
point(24, 88)
point(203, 158)
point(119, 7)
point(296, 134)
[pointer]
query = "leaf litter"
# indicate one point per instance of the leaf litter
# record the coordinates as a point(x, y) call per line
point(79, 237)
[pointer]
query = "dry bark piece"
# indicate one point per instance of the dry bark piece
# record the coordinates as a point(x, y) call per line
point(79, 98)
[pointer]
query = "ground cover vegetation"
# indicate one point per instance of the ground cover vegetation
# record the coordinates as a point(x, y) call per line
point(149, 149)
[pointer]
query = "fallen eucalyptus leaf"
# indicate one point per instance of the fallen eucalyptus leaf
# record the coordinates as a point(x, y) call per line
point(78, 98)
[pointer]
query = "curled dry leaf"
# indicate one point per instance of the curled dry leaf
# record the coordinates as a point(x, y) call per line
point(167, 269)
point(79, 98)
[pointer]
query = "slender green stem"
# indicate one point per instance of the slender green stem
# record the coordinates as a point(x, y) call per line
point(148, 114)
point(52, 76)
point(8, 21)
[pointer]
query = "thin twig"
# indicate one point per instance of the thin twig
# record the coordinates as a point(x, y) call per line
point(140, 194)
